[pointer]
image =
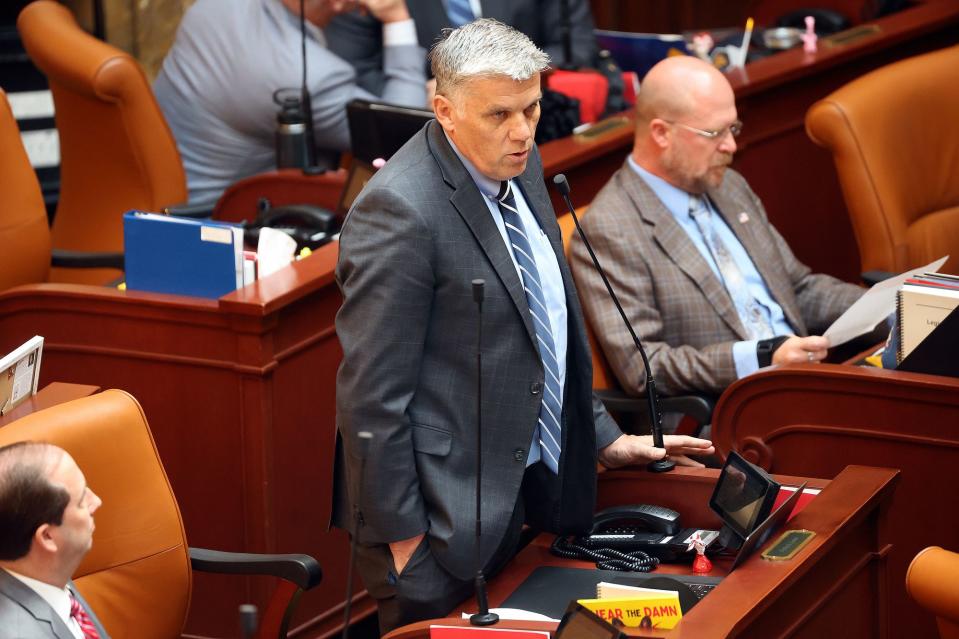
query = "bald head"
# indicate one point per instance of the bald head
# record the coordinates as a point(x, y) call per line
point(686, 124)
point(678, 86)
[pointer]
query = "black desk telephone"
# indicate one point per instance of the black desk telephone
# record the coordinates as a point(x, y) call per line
point(634, 537)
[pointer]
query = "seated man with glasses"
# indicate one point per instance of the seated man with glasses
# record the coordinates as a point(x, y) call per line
point(710, 286)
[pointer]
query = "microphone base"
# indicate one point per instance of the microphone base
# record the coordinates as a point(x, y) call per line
point(661, 466)
point(484, 619)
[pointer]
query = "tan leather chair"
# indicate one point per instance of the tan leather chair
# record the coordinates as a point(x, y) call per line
point(894, 137)
point(137, 577)
point(697, 408)
point(24, 234)
point(117, 152)
point(931, 581)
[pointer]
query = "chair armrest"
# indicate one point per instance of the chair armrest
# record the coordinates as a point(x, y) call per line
point(871, 278)
point(698, 407)
point(302, 570)
point(83, 259)
point(190, 210)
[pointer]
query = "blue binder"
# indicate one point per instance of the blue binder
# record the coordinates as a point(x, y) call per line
point(182, 256)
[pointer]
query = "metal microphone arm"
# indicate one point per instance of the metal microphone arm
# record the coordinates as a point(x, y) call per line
point(652, 397)
point(483, 616)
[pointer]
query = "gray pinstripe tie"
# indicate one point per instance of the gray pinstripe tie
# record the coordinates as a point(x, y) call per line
point(746, 305)
point(549, 428)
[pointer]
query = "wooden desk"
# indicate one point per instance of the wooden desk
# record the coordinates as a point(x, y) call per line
point(239, 394)
point(832, 587)
point(50, 395)
point(815, 419)
point(795, 179)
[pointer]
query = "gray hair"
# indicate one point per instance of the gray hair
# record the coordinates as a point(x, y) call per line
point(484, 48)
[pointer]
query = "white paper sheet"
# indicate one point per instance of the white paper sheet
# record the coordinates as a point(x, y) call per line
point(516, 614)
point(874, 306)
point(274, 251)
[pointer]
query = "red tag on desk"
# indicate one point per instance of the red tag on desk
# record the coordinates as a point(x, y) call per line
point(473, 632)
point(786, 491)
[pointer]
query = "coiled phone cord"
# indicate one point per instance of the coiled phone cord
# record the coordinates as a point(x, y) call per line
point(605, 558)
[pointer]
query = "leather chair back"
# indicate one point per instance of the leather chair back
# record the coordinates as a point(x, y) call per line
point(24, 234)
point(116, 151)
point(137, 575)
point(894, 137)
point(931, 581)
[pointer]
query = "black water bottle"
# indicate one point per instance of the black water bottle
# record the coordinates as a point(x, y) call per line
point(292, 139)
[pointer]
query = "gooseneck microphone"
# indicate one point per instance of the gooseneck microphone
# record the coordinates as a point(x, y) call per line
point(305, 94)
point(661, 465)
point(363, 439)
point(248, 621)
point(483, 616)
point(566, 36)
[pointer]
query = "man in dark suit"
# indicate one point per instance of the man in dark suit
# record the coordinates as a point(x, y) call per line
point(463, 200)
point(46, 528)
point(356, 37)
point(711, 287)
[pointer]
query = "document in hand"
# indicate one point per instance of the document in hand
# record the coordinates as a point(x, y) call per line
point(182, 256)
point(874, 306)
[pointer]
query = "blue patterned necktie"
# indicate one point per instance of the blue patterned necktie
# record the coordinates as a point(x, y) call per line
point(756, 324)
point(549, 430)
point(459, 12)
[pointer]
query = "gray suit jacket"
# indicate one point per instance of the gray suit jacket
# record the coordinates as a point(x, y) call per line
point(359, 38)
point(26, 615)
point(416, 237)
point(679, 308)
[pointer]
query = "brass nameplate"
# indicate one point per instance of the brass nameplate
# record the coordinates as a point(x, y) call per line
point(851, 36)
point(788, 544)
point(603, 127)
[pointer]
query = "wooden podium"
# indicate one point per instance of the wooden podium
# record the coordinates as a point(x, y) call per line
point(834, 587)
point(817, 418)
point(239, 393)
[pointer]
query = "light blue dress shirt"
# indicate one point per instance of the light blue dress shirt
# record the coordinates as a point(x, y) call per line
point(676, 202)
point(550, 277)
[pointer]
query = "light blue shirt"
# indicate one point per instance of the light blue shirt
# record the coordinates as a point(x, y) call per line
point(551, 280)
point(676, 202)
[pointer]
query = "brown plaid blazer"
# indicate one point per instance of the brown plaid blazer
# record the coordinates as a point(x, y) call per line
point(679, 308)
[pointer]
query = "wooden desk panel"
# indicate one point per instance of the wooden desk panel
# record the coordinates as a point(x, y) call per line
point(833, 586)
point(795, 179)
point(816, 419)
point(239, 393)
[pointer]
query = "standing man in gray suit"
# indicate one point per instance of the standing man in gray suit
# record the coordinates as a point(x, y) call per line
point(465, 199)
point(46, 528)
point(711, 287)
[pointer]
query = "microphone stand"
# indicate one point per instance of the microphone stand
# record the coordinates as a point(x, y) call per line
point(483, 616)
point(364, 437)
point(652, 397)
point(305, 99)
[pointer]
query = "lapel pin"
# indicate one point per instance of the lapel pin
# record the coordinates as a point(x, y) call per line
point(743, 217)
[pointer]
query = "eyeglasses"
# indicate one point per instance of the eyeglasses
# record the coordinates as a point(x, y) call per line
point(735, 129)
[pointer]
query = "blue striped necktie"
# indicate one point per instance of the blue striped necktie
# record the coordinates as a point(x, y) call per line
point(549, 430)
point(459, 12)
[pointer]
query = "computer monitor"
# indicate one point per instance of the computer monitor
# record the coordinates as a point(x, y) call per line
point(744, 495)
point(378, 129)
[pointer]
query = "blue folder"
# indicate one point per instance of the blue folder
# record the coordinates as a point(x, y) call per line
point(182, 256)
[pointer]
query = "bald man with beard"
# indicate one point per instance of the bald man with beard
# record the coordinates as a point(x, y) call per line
point(711, 287)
